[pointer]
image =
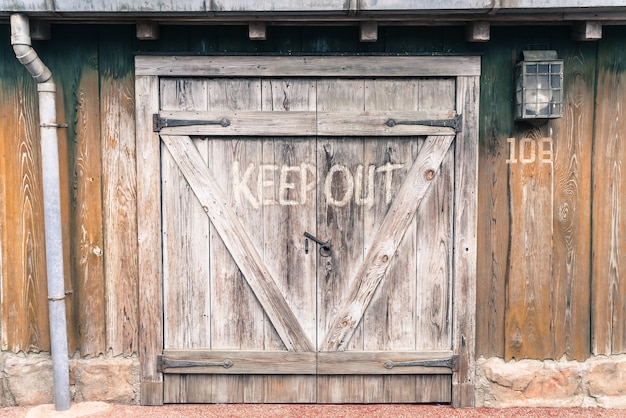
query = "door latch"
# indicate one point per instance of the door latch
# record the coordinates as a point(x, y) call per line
point(325, 250)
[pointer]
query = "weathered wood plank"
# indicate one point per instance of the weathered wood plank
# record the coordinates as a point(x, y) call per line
point(236, 238)
point(395, 300)
point(248, 327)
point(151, 393)
point(187, 300)
point(528, 313)
point(238, 362)
point(572, 155)
point(381, 362)
point(280, 389)
point(312, 66)
point(373, 268)
point(609, 222)
point(291, 162)
point(119, 198)
point(464, 262)
point(241, 123)
point(24, 294)
point(435, 231)
point(284, 247)
point(434, 259)
point(87, 243)
point(149, 248)
point(305, 123)
point(493, 211)
point(377, 123)
point(339, 221)
point(390, 321)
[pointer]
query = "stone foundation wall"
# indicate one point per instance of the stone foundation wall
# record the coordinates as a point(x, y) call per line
point(27, 379)
point(598, 382)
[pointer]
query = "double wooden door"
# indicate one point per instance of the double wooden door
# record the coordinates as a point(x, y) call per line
point(311, 231)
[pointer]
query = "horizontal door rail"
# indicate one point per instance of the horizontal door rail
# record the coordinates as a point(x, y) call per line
point(237, 362)
point(307, 363)
point(304, 123)
point(378, 362)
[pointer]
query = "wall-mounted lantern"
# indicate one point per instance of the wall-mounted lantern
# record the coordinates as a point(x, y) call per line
point(539, 86)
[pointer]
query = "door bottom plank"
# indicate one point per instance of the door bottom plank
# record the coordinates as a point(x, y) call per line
point(237, 362)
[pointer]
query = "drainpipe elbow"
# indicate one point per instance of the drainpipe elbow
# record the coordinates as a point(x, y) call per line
point(20, 39)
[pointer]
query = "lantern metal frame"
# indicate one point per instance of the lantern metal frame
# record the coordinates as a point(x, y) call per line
point(539, 86)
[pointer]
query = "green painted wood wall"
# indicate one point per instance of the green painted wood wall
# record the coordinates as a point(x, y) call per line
point(552, 230)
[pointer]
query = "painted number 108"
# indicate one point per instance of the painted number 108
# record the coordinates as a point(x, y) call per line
point(529, 150)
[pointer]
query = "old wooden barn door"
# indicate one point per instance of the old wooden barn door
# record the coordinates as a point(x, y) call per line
point(317, 227)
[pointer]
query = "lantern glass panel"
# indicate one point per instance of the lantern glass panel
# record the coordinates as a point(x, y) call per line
point(538, 91)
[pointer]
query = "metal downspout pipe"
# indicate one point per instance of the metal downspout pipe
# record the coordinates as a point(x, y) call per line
point(46, 88)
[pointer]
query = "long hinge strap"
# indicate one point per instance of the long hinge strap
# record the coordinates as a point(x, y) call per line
point(456, 123)
point(159, 122)
point(452, 363)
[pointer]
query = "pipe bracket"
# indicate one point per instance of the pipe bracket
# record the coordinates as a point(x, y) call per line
point(53, 125)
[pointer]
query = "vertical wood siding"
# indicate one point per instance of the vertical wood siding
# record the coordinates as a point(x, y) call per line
point(79, 87)
point(24, 294)
point(609, 226)
point(573, 137)
point(119, 197)
point(493, 204)
point(551, 243)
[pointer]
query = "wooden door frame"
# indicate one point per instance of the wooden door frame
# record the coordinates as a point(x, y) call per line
point(148, 70)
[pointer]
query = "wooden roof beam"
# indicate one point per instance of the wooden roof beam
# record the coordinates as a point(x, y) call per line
point(479, 31)
point(368, 31)
point(147, 30)
point(257, 31)
point(588, 30)
point(40, 30)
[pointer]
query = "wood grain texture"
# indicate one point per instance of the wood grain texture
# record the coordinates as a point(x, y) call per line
point(377, 363)
point(395, 299)
point(23, 260)
point(275, 123)
point(284, 247)
point(242, 362)
point(186, 285)
point(247, 326)
point(493, 210)
point(570, 284)
point(87, 246)
point(528, 315)
point(303, 123)
point(426, 66)
point(236, 239)
point(609, 222)
point(371, 271)
point(341, 225)
point(149, 248)
point(257, 191)
point(550, 220)
point(119, 198)
point(465, 254)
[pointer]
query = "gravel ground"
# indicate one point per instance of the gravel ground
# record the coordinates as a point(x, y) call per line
point(301, 411)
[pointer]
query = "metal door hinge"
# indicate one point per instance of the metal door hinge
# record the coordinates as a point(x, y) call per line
point(452, 363)
point(456, 123)
point(159, 122)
